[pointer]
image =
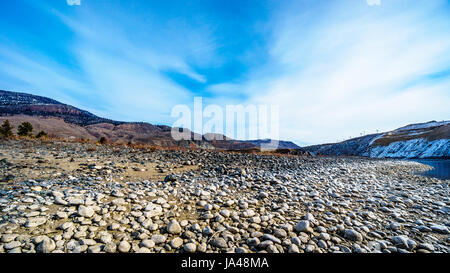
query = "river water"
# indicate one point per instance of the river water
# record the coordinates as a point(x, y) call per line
point(441, 167)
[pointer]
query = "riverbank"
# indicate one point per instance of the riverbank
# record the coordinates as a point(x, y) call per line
point(441, 168)
point(73, 197)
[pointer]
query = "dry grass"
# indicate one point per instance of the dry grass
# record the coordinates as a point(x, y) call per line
point(52, 126)
point(60, 131)
point(51, 166)
point(430, 134)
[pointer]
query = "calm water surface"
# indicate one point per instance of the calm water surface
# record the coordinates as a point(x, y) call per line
point(441, 167)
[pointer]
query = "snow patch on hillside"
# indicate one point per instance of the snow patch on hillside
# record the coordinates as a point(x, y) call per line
point(423, 125)
point(375, 138)
point(414, 148)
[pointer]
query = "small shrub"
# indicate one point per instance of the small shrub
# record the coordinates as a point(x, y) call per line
point(41, 134)
point(103, 140)
point(25, 129)
point(6, 130)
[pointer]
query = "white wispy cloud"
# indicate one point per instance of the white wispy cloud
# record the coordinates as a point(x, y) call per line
point(73, 2)
point(350, 70)
point(34, 72)
point(334, 70)
point(373, 2)
point(117, 77)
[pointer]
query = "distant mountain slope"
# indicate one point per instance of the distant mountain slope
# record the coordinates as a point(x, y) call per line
point(14, 103)
point(8, 98)
point(54, 127)
point(62, 120)
point(267, 143)
point(354, 146)
point(422, 140)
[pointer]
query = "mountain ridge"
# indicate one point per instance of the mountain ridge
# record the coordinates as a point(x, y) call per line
point(421, 140)
point(13, 103)
point(42, 112)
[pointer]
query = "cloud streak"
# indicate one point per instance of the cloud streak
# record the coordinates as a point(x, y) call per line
point(334, 70)
point(346, 76)
point(113, 76)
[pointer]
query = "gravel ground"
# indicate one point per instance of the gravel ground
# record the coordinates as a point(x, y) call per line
point(72, 197)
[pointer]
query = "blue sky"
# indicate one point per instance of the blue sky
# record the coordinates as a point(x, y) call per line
point(335, 68)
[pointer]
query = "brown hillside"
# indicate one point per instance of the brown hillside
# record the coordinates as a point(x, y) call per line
point(433, 133)
point(56, 127)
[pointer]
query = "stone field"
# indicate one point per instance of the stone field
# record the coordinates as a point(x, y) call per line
point(72, 197)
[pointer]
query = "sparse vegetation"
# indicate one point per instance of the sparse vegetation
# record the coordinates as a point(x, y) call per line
point(180, 178)
point(41, 134)
point(103, 140)
point(6, 130)
point(25, 129)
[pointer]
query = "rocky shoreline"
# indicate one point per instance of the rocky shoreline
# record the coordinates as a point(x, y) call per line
point(72, 197)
